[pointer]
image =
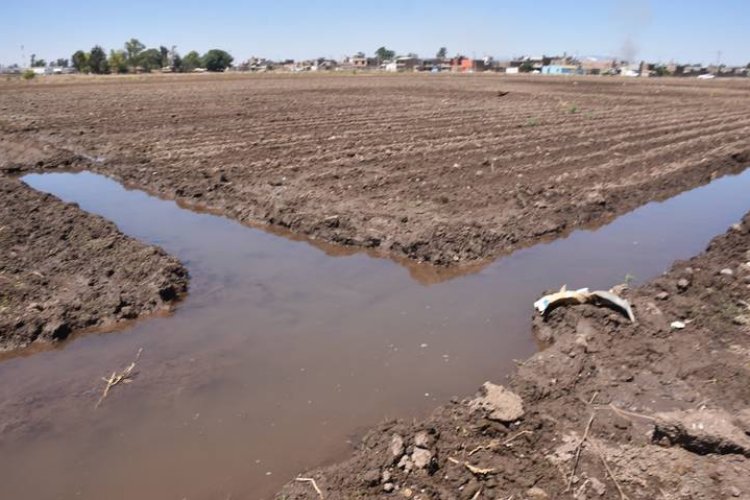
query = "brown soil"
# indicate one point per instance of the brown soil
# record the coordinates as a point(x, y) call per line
point(63, 270)
point(435, 168)
point(669, 407)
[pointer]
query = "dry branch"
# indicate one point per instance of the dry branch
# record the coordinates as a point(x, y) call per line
point(495, 444)
point(623, 496)
point(625, 413)
point(477, 471)
point(314, 484)
point(580, 444)
point(124, 377)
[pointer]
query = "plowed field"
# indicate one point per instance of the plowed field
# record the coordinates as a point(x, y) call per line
point(439, 168)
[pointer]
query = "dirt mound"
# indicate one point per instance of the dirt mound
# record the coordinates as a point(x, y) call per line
point(64, 270)
point(611, 409)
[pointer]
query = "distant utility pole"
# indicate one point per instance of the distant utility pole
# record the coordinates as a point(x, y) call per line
point(23, 56)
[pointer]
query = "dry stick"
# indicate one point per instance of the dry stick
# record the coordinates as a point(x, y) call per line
point(311, 481)
point(578, 451)
point(623, 496)
point(123, 377)
point(477, 471)
point(504, 443)
point(507, 441)
point(581, 488)
point(478, 448)
point(626, 413)
point(476, 495)
point(580, 444)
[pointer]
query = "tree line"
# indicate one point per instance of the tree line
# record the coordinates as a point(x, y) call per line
point(384, 54)
point(135, 56)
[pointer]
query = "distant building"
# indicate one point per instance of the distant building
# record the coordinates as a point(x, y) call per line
point(323, 64)
point(558, 69)
point(594, 66)
point(403, 63)
point(529, 64)
point(462, 64)
point(13, 69)
point(359, 62)
point(258, 64)
point(689, 70)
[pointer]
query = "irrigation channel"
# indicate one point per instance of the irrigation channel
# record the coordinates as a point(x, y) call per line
point(285, 351)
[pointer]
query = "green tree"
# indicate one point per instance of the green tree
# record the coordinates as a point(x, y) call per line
point(526, 67)
point(191, 61)
point(81, 61)
point(384, 54)
point(176, 62)
point(164, 56)
point(661, 70)
point(38, 63)
point(133, 48)
point(98, 61)
point(118, 61)
point(149, 60)
point(217, 60)
point(442, 53)
point(61, 63)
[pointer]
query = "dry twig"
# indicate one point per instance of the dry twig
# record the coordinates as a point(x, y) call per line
point(477, 471)
point(580, 444)
point(581, 489)
point(124, 377)
point(625, 413)
point(495, 444)
point(311, 481)
point(623, 496)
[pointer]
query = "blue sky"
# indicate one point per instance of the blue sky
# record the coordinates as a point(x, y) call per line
point(657, 30)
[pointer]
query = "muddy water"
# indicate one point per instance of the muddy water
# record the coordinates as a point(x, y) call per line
point(282, 353)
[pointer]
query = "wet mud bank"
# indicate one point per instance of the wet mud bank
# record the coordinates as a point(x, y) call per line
point(63, 270)
point(655, 409)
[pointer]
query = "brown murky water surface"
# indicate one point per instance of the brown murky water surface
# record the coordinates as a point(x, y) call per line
point(283, 352)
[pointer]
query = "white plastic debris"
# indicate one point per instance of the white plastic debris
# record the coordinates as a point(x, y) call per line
point(584, 296)
point(579, 296)
point(677, 325)
point(600, 296)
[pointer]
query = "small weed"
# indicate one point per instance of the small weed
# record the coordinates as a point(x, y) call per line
point(28, 74)
point(532, 122)
point(629, 279)
point(573, 109)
